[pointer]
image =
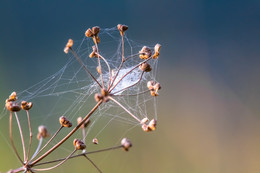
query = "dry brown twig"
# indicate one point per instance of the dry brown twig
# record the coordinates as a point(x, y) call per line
point(29, 162)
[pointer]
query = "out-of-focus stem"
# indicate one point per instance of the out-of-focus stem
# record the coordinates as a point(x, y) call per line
point(30, 131)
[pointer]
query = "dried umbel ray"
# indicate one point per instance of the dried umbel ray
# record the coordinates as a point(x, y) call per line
point(30, 162)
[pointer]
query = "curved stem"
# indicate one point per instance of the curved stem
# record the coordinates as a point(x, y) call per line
point(21, 134)
point(30, 131)
point(108, 66)
point(11, 139)
point(38, 148)
point(69, 135)
point(46, 169)
point(125, 109)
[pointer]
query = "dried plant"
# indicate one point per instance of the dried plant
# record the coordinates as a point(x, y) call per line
point(107, 84)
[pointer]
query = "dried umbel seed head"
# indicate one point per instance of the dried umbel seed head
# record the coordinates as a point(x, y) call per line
point(95, 141)
point(11, 106)
point(89, 33)
point(157, 48)
point(79, 145)
point(68, 46)
point(12, 97)
point(122, 29)
point(152, 124)
point(126, 143)
point(42, 132)
point(85, 124)
point(145, 67)
point(65, 122)
point(26, 105)
point(94, 52)
point(145, 53)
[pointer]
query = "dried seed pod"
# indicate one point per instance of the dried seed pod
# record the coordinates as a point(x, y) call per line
point(89, 33)
point(154, 93)
point(145, 53)
point(150, 85)
point(98, 97)
point(152, 124)
point(79, 145)
point(157, 86)
point(145, 67)
point(144, 120)
point(122, 29)
point(85, 124)
point(12, 97)
point(126, 143)
point(98, 70)
point(157, 48)
point(95, 141)
point(11, 106)
point(94, 52)
point(65, 122)
point(26, 105)
point(145, 128)
point(68, 46)
point(153, 87)
point(95, 30)
point(96, 38)
point(42, 132)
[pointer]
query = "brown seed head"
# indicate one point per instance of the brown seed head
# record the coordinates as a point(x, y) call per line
point(11, 106)
point(153, 87)
point(42, 132)
point(79, 145)
point(145, 128)
point(145, 53)
point(12, 97)
point(122, 29)
point(94, 52)
point(157, 48)
point(96, 38)
point(95, 30)
point(68, 46)
point(95, 141)
point(85, 124)
point(98, 70)
point(89, 33)
point(150, 85)
point(65, 122)
point(144, 120)
point(26, 105)
point(152, 124)
point(145, 67)
point(126, 143)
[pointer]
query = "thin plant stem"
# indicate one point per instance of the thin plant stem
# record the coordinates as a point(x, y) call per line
point(128, 73)
point(120, 66)
point(92, 163)
point(114, 100)
point(99, 64)
point(30, 131)
point(68, 135)
point(131, 56)
point(82, 154)
point(38, 148)
point(11, 138)
point(21, 134)
point(50, 139)
point(46, 169)
point(83, 65)
point(131, 85)
point(108, 66)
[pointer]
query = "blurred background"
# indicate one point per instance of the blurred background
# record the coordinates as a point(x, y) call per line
point(208, 108)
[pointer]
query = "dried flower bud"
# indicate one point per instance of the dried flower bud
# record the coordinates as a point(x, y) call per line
point(157, 48)
point(150, 85)
point(12, 97)
point(145, 67)
point(11, 106)
point(126, 143)
point(79, 145)
point(152, 124)
point(26, 105)
point(144, 120)
point(145, 53)
point(157, 86)
point(85, 124)
point(122, 29)
point(95, 141)
point(65, 122)
point(145, 128)
point(68, 46)
point(89, 33)
point(95, 30)
point(42, 132)
point(153, 87)
point(98, 97)
point(94, 52)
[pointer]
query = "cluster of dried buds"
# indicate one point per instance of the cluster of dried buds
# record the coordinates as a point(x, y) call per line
point(107, 93)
